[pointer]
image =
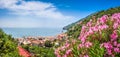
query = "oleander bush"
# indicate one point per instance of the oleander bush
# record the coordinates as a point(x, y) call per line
point(98, 38)
point(73, 29)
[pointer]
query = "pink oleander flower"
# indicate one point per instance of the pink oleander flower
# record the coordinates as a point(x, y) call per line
point(89, 24)
point(103, 19)
point(116, 16)
point(115, 43)
point(65, 55)
point(88, 44)
point(104, 27)
point(83, 39)
point(83, 27)
point(63, 48)
point(90, 31)
point(68, 52)
point(85, 56)
point(99, 27)
point(109, 51)
point(59, 56)
point(108, 45)
point(115, 25)
point(57, 53)
point(95, 28)
point(114, 36)
point(81, 45)
point(116, 50)
point(118, 45)
point(67, 45)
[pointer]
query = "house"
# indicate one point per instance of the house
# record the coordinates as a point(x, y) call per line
point(23, 52)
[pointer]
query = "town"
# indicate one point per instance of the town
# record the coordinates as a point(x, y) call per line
point(41, 41)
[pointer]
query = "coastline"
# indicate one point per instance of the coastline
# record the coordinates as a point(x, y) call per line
point(32, 32)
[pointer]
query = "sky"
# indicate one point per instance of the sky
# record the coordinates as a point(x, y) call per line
point(48, 13)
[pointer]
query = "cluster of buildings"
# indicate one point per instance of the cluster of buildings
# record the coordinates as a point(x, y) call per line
point(39, 41)
point(34, 40)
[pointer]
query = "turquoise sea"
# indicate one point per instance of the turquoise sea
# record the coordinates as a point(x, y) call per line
point(21, 32)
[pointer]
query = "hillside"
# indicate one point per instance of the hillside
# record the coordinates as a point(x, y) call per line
point(73, 30)
point(8, 46)
point(98, 37)
point(97, 14)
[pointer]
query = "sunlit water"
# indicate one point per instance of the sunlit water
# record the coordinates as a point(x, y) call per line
point(21, 32)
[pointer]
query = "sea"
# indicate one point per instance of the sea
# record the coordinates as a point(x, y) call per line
point(25, 32)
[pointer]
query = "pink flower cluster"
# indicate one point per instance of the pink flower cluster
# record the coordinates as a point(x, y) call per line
point(68, 52)
point(89, 30)
point(116, 20)
point(63, 48)
point(103, 19)
point(112, 46)
point(114, 35)
point(57, 53)
point(87, 45)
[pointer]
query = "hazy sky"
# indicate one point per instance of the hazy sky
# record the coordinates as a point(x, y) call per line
point(48, 13)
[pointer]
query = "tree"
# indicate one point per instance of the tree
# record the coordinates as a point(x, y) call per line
point(8, 46)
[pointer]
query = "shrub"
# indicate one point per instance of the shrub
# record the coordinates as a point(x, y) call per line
point(48, 44)
point(98, 38)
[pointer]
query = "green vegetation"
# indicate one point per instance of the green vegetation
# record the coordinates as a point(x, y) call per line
point(100, 37)
point(73, 30)
point(8, 47)
point(48, 44)
point(72, 46)
point(37, 51)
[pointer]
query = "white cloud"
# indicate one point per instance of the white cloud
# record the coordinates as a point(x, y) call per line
point(40, 9)
point(36, 12)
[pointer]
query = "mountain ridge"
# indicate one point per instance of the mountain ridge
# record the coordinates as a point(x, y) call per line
point(99, 14)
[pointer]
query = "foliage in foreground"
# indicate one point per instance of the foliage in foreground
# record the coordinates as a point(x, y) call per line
point(8, 47)
point(37, 51)
point(98, 38)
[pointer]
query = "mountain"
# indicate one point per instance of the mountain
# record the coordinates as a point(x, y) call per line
point(98, 14)
point(73, 30)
